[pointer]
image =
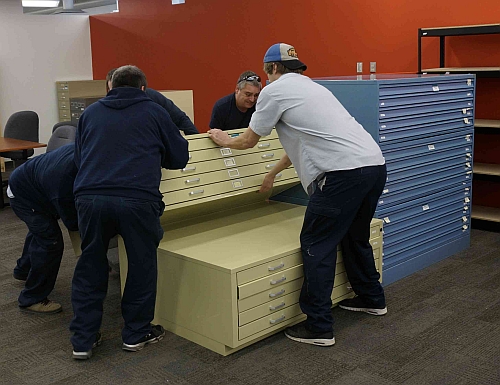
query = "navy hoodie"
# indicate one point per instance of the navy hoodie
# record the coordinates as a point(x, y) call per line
point(46, 182)
point(122, 141)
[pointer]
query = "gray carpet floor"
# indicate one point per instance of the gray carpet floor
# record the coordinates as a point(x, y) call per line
point(443, 327)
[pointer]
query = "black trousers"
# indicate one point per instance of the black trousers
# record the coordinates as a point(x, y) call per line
point(42, 252)
point(340, 212)
point(100, 218)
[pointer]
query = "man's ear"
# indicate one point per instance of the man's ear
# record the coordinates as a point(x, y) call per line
point(143, 88)
point(236, 89)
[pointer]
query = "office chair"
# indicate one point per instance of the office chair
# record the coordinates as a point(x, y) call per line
point(62, 135)
point(68, 123)
point(22, 125)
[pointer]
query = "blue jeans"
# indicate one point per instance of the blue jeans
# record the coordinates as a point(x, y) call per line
point(340, 212)
point(42, 252)
point(100, 218)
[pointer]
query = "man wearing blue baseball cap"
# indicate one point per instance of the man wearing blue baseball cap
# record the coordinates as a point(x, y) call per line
point(343, 171)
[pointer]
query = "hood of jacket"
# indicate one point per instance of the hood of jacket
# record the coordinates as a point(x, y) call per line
point(123, 97)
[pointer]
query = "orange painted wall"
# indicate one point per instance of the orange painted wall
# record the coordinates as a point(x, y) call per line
point(205, 44)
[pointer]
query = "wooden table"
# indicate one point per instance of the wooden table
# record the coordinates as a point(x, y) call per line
point(9, 144)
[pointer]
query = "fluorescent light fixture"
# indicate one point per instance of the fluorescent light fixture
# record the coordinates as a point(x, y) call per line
point(41, 3)
point(178, 1)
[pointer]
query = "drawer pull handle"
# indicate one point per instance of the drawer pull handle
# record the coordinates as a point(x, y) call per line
point(265, 156)
point(188, 169)
point(272, 295)
point(264, 145)
point(192, 180)
point(280, 266)
point(196, 192)
point(275, 321)
point(282, 304)
point(271, 165)
point(282, 279)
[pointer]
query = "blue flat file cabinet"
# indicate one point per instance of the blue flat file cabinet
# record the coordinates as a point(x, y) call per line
point(425, 128)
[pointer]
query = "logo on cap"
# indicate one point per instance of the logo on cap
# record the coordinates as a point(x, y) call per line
point(292, 53)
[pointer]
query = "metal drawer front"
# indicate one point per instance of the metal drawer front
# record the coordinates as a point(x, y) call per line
point(404, 236)
point(463, 107)
point(414, 192)
point(266, 283)
point(422, 247)
point(464, 134)
point(188, 182)
point(389, 89)
point(268, 308)
point(269, 295)
point(224, 164)
point(423, 236)
point(375, 229)
point(273, 320)
point(423, 119)
point(422, 99)
point(217, 153)
point(396, 220)
point(403, 132)
point(430, 147)
point(269, 268)
point(205, 142)
point(461, 152)
point(458, 190)
point(456, 208)
point(457, 161)
point(222, 187)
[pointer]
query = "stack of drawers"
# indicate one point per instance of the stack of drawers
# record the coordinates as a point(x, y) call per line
point(231, 275)
point(424, 126)
point(213, 173)
point(76, 89)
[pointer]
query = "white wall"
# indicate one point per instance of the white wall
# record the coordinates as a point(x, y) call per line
point(35, 52)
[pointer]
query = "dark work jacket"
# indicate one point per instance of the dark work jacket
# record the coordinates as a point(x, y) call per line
point(46, 181)
point(180, 119)
point(226, 116)
point(121, 143)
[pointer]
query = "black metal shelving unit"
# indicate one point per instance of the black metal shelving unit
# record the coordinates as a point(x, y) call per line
point(479, 213)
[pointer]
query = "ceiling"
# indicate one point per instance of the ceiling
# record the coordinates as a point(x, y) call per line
point(89, 7)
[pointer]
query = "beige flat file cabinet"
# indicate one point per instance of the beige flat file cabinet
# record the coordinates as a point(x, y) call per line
point(229, 265)
point(182, 99)
point(76, 89)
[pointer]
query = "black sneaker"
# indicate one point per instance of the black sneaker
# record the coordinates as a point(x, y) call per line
point(357, 304)
point(300, 333)
point(86, 355)
point(157, 333)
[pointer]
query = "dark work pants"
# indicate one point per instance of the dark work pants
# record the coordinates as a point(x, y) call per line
point(100, 218)
point(42, 252)
point(340, 212)
point(23, 265)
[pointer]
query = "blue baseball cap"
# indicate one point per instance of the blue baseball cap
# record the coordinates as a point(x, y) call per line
point(284, 54)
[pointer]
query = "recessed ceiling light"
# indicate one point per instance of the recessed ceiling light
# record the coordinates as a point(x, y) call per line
point(41, 3)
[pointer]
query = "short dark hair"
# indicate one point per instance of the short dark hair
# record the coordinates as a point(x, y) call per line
point(128, 76)
point(108, 78)
point(280, 68)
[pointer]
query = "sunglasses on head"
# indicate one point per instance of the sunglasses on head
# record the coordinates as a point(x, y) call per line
point(250, 78)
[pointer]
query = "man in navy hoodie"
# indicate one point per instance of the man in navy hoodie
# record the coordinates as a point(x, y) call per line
point(40, 192)
point(122, 142)
point(179, 117)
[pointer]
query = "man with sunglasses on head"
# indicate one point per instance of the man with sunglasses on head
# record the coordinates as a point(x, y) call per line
point(235, 110)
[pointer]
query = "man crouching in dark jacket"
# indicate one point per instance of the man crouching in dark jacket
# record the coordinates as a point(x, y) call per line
point(40, 192)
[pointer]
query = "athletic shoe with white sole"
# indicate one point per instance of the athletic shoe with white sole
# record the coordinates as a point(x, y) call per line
point(300, 333)
point(156, 334)
point(86, 355)
point(357, 304)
